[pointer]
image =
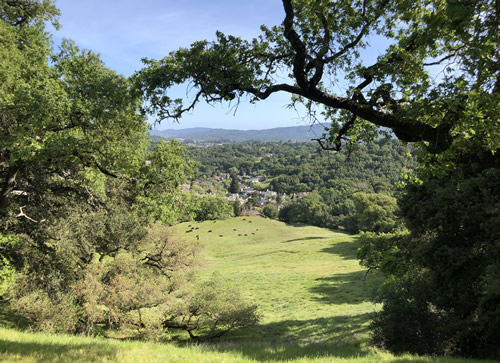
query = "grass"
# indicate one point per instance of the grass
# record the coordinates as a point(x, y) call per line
point(311, 291)
point(306, 280)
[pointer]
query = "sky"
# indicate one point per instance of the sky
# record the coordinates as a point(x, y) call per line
point(124, 31)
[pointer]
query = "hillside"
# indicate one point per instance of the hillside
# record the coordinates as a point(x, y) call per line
point(202, 134)
point(306, 280)
point(310, 288)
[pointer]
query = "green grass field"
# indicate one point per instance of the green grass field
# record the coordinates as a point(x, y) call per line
point(312, 294)
point(306, 280)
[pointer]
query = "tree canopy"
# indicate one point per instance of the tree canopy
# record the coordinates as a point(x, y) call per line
point(321, 47)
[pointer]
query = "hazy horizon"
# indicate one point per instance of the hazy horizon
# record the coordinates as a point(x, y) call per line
point(229, 129)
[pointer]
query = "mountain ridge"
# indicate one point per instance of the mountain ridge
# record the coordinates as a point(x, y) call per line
point(206, 134)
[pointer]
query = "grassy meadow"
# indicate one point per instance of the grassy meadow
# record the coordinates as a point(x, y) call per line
point(306, 280)
point(313, 296)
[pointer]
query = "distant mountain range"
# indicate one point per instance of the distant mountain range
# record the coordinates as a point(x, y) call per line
point(204, 134)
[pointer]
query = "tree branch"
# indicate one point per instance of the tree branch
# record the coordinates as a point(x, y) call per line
point(449, 56)
point(438, 138)
point(178, 114)
point(360, 35)
point(297, 45)
point(22, 214)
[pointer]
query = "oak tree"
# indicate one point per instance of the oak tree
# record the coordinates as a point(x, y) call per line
point(79, 187)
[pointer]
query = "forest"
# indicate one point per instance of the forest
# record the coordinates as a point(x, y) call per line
point(340, 183)
point(99, 237)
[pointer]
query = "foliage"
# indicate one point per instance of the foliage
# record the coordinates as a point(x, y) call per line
point(384, 251)
point(115, 291)
point(79, 189)
point(318, 43)
point(408, 321)
point(212, 208)
point(253, 200)
point(235, 184)
point(310, 209)
point(161, 198)
point(298, 167)
point(236, 208)
point(7, 270)
point(110, 290)
point(454, 222)
point(53, 313)
point(374, 212)
point(302, 167)
point(212, 309)
point(270, 210)
point(442, 282)
point(363, 211)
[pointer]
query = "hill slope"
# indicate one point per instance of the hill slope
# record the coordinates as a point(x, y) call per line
point(306, 280)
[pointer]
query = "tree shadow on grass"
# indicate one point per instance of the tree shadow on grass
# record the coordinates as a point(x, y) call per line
point(336, 337)
point(347, 288)
point(55, 352)
point(346, 250)
point(326, 339)
point(305, 239)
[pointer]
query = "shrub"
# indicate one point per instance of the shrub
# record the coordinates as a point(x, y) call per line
point(408, 321)
point(270, 210)
point(109, 290)
point(212, 310)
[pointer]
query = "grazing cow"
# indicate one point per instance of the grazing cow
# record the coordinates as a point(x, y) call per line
point(198, 237)
point(209, 230)
point(220, 235)
point(234, 229)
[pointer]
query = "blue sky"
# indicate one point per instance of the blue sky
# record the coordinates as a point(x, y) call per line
point(124, 31)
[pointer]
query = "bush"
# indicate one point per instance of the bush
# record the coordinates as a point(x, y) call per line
point(110, 290)
point(408, 322)
point(212, 310)
point(54, 313)
point(270, 210)
point(212, 208)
